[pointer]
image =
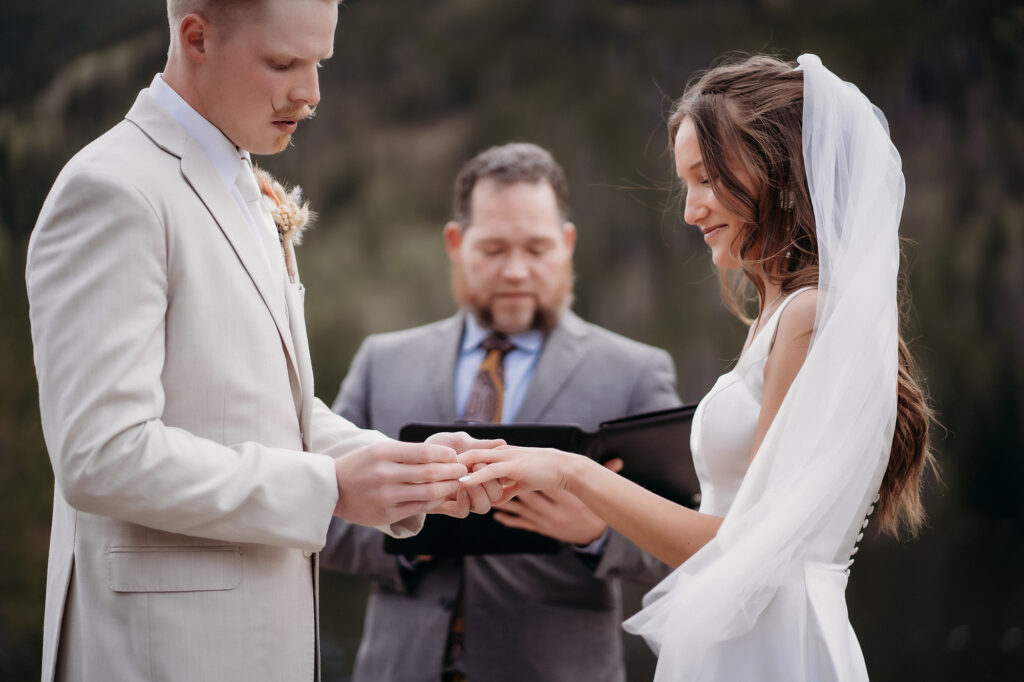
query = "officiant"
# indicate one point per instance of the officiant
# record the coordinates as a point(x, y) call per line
point(514, 352)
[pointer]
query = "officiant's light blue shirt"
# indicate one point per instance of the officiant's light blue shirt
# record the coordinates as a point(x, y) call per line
point(519, 365)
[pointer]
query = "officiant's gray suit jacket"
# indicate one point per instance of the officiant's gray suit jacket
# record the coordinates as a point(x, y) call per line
point(528, 617)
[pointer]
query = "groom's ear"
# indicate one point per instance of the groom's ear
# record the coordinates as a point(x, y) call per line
point(193, 32)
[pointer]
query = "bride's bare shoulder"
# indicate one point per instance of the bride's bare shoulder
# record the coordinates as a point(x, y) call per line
point(797, 319)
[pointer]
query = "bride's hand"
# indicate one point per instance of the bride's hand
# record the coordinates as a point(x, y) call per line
point(518, 469)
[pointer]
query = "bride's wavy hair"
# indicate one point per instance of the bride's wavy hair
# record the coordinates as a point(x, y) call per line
point(748, 115)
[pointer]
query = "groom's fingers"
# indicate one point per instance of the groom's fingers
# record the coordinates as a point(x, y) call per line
point(407, 509)
point(458, 507)
point(420, 453)
point(425, 492)
point(461, 441)
point(426, 473)
point(387, 481)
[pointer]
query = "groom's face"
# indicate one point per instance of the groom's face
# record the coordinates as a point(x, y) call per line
point(259, 78)
point(512, 264)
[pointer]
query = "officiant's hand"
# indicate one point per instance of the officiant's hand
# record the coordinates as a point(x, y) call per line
point(383, 483)
point(475, 498)
point(555, 513)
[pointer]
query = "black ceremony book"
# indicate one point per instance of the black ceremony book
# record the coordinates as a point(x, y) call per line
point(654, 447)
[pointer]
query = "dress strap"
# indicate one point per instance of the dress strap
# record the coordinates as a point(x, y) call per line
point(770, 328)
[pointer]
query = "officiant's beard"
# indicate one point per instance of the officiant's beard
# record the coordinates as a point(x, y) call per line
point(548, 309)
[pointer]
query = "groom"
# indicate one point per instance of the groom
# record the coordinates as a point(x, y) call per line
point(196, 474)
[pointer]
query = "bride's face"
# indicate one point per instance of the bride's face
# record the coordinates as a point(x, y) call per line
point(721, 227)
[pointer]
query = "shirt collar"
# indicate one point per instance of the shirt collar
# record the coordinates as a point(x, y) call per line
point(474, 334)
point(218, 148)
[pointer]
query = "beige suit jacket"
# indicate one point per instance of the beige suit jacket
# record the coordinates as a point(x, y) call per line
point(177, 406)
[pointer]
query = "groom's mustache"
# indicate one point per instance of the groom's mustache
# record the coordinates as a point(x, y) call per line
point(298, 114)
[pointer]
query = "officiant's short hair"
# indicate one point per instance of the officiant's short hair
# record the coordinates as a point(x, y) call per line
point(509, 164)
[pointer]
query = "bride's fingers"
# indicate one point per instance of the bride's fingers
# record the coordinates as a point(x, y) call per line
point(491, 472)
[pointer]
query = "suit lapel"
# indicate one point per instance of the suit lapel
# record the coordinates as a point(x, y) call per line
point(204, 180)
point(200, 174)
point(295, 295)
point(562, 351)
point(441, 352)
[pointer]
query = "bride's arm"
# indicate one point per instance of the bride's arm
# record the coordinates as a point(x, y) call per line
point(669, 531)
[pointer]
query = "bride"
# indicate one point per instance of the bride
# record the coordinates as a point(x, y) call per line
point(791, 177)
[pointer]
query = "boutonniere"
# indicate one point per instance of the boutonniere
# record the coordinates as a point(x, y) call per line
point(290, 213)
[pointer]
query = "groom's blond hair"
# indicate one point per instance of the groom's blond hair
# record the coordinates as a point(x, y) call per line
point(213, 10)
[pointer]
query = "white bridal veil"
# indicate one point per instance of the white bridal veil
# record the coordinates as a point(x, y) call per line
point(803, 499)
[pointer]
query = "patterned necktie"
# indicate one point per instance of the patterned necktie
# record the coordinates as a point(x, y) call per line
point(488, 392)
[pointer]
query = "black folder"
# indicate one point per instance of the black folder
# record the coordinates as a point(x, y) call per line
point(654, 448)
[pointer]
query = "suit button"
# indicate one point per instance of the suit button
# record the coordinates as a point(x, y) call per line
point(306, 554)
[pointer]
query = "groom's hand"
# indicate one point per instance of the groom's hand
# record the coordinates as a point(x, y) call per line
point(386, 482)
point(476, 498)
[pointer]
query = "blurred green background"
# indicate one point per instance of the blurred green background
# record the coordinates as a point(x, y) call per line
point(416, 88)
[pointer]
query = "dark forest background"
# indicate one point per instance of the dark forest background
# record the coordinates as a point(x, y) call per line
point(416, 88)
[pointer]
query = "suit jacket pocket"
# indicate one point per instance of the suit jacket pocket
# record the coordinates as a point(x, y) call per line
point(174, 569)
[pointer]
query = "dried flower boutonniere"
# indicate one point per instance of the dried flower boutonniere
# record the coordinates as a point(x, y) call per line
point(291, 215)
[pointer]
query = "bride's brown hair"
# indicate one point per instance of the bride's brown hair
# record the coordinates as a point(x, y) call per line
point(748, 115)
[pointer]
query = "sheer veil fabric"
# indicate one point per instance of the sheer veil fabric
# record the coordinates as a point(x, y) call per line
point(800, 506)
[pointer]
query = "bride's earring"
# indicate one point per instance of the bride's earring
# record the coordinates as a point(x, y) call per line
point(786, 199)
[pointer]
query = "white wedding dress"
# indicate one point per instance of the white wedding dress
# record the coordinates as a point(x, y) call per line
point(764, 600)
point(805, 625)
point(800, 632)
